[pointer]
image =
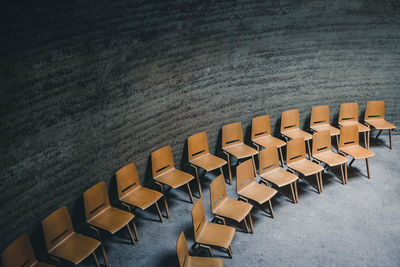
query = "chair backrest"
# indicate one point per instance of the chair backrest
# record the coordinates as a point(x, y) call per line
point(319, 115)
point(96, 200)
point(321, 142)
point(217, 191)
point(232, 134)
point(349, 136)
point(289, 120)
point(260, 126)
point(268, 160)
point(295, 150)
point(198, 217)
point(197, 145)
point(181, 249)
point(162, 160)
point(19, 253)
point(127, 179)
point(57, 227)
point(348, 112)
point(375, 110)
point(244, 174)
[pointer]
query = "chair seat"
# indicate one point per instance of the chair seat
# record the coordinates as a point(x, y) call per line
point(111, 219)
point(257, 192)
point(269, 141)
point(208, 162)
point(279, 176)
point(318, 128)
point(306, 167)
point(381, 124)
point(331, 158)
point(361, 127)
point(174, 178)
point(233, 209)
point(216, 235)
point(203, 261)
point(142, 197)
point(41, 264)
point(357, 152)
point(297, 133)
point(241, 151)
point(76, 248)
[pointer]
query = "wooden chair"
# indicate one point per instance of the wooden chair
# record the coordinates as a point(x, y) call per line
point(132, 193)
point(224, 207)
point(270, 171)
point(261, 135)
point(185, 260)
point(100, 214)
point(232, 144)
point(349, 145)
point(209, 235)
point(164, 173)
point(319, 121)
point(63, 242)
point(290, 127)
point(375, 117)
point(348, 115)
point(296, 161)
point(248, 189)
point(322, 152)
point(20, 253)
point(200, 157)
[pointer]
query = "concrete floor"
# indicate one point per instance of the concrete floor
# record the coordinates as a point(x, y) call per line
point(357, 224)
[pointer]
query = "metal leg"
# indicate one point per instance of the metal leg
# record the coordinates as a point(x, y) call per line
point(351, 162)
point(229, 167)
point(365, 140)
point(309, 150)
point(281, 155)
point(293, 196)
point(95, 259)
point(296, 192)
point(337, 143)
point(130, 234)
point(198, 179)
point(379, 133)
point(390, 138)
point(366, 160)
point(270, 208)
point(165, 198)
point(254, 166)
point(342, 174)
point(345, 172)
point(230, 251)
point(318, 186)
point(368, 136)
point(190, 192)
point(251, 223)
point(320, 182)
point(245, 225)
point(159, 212)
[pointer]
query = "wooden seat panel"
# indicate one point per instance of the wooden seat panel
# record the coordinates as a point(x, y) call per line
point(333, 130)
point(357, 152)
point(331, 158)
point(241, 151)
point(257, 192)
point(174, 178)
point(208, 162)
point(111, 219)
point(306, 167)
point(202, 262)
point(216, 235)
point(269, 141)
point(279, 176)
point(381, 124)
point(141, 197)
point(297, 133)
point(233, 209)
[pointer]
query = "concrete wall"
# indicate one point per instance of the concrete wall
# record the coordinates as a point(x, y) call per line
point(89, 86)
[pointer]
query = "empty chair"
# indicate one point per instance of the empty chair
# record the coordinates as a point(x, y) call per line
point(322, 152)
point(349, 145)
point(132, 193)
point(270, 171)
point(375, 117)
point(100, 214)
point(185, 260)
point(164, 173)
point(200, 157)
point(248, 189)
point(232, 144)
point(348, 115)
point(209, 235)
point(319, 121)
point(290, 128)
point(296, 161)
point(64, 243)
point(20, 253)
point(224, 207)
point(261, 135)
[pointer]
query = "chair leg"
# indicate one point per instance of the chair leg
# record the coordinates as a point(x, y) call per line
point(292, 191)
point(366, 160)
point(103, 250)
point(245, 225)
point(159, 212)
point(365, 140)
point(342, 174)
point(318, 186)
point(320, 182)
point(135, 230)
point(368, 135)
point(309, 149)
point(95, 259)
point(379, 133)
point(251, 223)
point(337, 143)
point(229, 167)
point(190, 192)
point(351, 162)
point(271, 211)
point(296, 192)
point(208, 248)
point(230, 252)
point(130, 234)
point(390, 138)
point(198, 180)
point(254, 166)
point(165, 198)
point(281, 155)
point(345, 172)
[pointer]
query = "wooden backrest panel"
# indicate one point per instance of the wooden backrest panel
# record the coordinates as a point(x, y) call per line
point(19, 253)
point(374, 110)
point(162, 160)
point(127, 179)
point(260, 126)
point(295, 150)
point(268, 159)
point(319, 115)
point(321, 142)
point(217, 191)
point(197, 145)
point(232, 134)
point(349, 136)
point(289, 120)
point(348, 112)
point(95, 200)
point(181, 249)
point(244, 174)
point(198, 217)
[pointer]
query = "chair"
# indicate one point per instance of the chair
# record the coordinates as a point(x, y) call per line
point(232, 144)
point(132, 193)
point(200, 157)
point(261, 135)
point(20, 253)
point(164, 173)
point(375, 117)
point(319, 121)
point(270, 171)
point(224, 207)
point(296, 161)
point(100, 214)
point(209, 235)
point(290, 128)
point(322, 152)
point(185, 260)
point(63, 242)
point(248, 189)
point(348, 115)
point(349, 145)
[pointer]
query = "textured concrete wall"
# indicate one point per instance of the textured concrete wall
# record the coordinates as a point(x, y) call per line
point(89, 86)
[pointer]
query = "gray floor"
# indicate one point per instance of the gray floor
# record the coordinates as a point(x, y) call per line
point(357, 224)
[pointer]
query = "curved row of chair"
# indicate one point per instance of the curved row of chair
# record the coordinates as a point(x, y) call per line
point(63, 243)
